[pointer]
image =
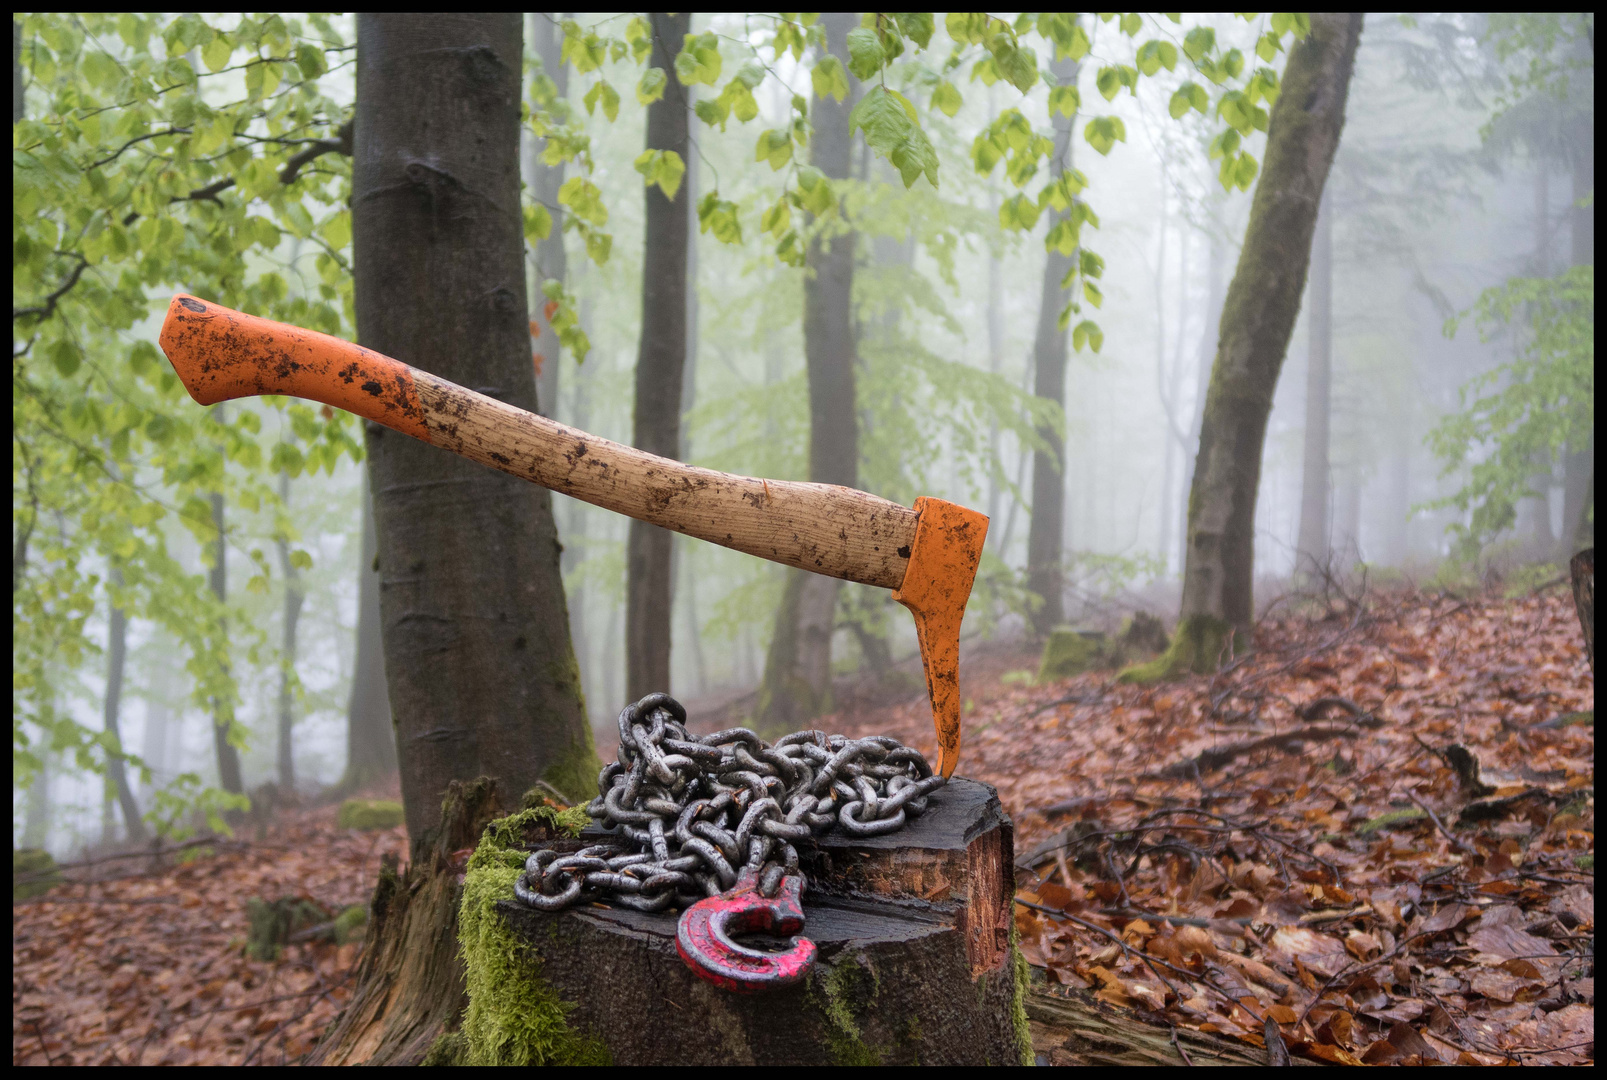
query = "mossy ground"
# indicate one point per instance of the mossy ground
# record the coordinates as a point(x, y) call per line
point(369, 814)
point(1067, 653)
point(514, 1017)
point(38, 867)
point(1195, 648)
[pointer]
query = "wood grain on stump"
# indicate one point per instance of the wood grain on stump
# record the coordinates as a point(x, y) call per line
point(914, 963)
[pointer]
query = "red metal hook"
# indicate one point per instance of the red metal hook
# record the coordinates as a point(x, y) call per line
point(703, 936)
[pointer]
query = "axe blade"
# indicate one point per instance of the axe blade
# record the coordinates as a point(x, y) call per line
point(943, 566)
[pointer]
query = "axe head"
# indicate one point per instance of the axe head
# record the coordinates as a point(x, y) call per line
point(942, 567)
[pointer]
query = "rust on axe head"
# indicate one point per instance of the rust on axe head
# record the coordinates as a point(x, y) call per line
point(943, 565)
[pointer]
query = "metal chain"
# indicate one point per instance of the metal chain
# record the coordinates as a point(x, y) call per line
point(694, 812)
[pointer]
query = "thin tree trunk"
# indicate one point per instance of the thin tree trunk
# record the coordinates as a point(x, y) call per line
point(478, 659)
point(797, 679)
point(1312, 550)
point(295, 595)
point(1046, 533)
point(684, 585)
point(116, 770)
point(1579, 465)
point(36, 811)
point(370, 737)
point(154, 737)
point(995, 323)
point(660, 369)
point(550, 260)
point(223, 711)
point(1215, 296)
point(1257, 319)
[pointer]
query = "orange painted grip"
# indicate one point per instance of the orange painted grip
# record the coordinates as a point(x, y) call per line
point(221, 354)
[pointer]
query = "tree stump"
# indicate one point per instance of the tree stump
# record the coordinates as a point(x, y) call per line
point(915, 960)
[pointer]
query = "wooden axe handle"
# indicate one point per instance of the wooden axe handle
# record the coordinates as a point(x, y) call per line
point(841, 532)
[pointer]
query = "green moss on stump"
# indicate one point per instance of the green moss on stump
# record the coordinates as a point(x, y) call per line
point(350, 924)
point(848, 989)
point(369, 814)
point(514, 1017)
point(38, 867)
point(273, 921)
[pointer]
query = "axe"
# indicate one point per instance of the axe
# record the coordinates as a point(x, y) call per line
point(928, 556)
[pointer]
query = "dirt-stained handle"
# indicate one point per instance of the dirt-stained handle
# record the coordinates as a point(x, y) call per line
point(841, 532)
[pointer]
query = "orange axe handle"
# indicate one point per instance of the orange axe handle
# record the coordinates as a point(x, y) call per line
point(928, 555)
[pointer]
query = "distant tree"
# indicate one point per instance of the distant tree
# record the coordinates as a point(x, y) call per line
point(370, 738)
point(1257, 321)
point(660, 364)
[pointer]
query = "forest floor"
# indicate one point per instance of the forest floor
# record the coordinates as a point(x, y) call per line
point(1372, 840)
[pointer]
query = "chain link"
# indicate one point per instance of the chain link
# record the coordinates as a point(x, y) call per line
point(695, 811)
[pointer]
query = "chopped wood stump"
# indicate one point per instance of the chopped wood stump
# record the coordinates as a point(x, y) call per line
point(914, 960)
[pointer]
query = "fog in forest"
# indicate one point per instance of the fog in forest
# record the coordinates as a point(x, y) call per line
point(1435, 196)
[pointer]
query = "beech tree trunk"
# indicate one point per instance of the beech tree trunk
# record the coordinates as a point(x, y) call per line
point(222, 711)
point(370, 737)
point(1579, 464)
point(1257, 320)
point(116, 661)
point(295, 594)
point(660, 369)
point(478, 660)
point(1046, 533)
point(551, 261)
point(1215, 295)
point(797, 677)
point(1316, 483)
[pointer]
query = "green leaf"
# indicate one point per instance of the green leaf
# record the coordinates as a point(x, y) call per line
point(719, 216)
point(337, 230)
point(865, 53)
point(1188, 96)
point(1087, 333)
point(699, 60)
point(1017, 64)
point(774, 146)
point(917, 26)
point(310, 59)
point(815, 192)
point(300, 559)
point(216, 54)
point(946, 98)
point(1156, 54)
point(1267, 46)
point(888, 121)
point(537, 223)
point(1199, 42)
point(777, 219)
point(65, 355)
point(650, 87)
point(1092, 294)
point(602, 91)
point(1104, 132)
point(1065, 100)
point(829, 79)
point(1233, 63)
point(1132, 23)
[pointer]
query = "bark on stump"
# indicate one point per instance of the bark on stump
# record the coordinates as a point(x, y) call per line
point(915, 962)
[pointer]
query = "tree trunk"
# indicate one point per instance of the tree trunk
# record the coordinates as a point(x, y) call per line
point(1316, 484)
point(914, 963)
point(295, 595)
point(660, 369)
point(409, 984)
point(1215, 296)
point(1257, 319)
point(36, 811)
point(1046, 532)
point(223, 711)
point(478, 660)
point(797, 678)
point(551, 261)
point(995, 324)
point(116, 661)
point(1582, 570)
point(1579, 465)
point(682, 577)
point(370, 737)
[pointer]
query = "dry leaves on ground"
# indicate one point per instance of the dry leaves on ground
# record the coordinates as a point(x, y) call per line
point(1373, 832)
point(149, 969)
